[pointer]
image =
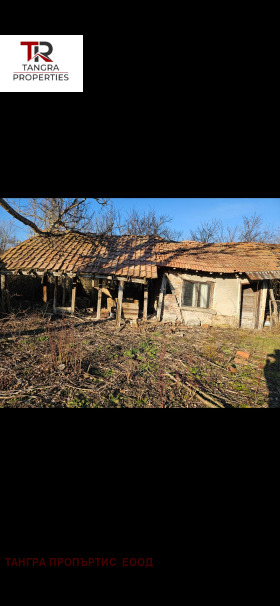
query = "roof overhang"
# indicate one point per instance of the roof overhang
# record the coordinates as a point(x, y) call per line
point(263, 275)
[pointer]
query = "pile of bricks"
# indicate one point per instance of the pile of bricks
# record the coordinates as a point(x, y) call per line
point(241, 357)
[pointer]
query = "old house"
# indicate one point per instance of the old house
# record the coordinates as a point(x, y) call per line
point(189, 282)
point(120, 269)
point(217, 284)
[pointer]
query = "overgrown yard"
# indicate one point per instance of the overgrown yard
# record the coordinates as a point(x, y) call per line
point(55, 362)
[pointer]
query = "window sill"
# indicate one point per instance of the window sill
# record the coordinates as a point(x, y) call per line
point(201, 309)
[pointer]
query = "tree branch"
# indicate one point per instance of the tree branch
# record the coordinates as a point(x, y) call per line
point(61, 213)
point(19, 217)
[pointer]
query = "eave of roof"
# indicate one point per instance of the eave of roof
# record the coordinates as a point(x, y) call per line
point(138, 256)
point(130, 256)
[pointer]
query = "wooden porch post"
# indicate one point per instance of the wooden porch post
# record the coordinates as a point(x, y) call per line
point(3, 286)
point(262, 305)
point(55, 293)
point(63, 291)
point(274, 315)
point(145, 308)
point(99, 298)
point(45, 288)
point(160, 300)
point(73, 301)
point(119, 304)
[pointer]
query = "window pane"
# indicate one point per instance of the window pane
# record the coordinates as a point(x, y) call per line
point(188, 294)
point(203, 295)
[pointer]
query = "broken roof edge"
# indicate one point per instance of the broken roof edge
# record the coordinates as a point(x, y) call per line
point(181, 269)
point(263, 275)
point(247, 257)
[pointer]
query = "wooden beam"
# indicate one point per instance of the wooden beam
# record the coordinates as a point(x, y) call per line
point(160, 300)
point(63, 291)
point(99, 299)
point(145, 307)
point(3, 286)
point(92, 292)
point(83, 275)
point(121, 278)
point(3, 281)
point(55, 293)
point(73, 301)
point(119, 303)
point(262, 304)
point(274, 315)
point(102, 277)
point(5, 299)
point(45, 288)
point(137, 280)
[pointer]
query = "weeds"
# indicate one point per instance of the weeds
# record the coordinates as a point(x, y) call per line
point(7, 379)
point(151, 368)
point(162, 372)
point(65, 350)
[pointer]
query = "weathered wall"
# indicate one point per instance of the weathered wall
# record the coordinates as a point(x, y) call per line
point(225, 306)
point(226, 301)
point(171, 309)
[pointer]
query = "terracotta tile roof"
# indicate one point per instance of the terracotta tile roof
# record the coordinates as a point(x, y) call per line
point(132, 256)
point(220, 257)
point(137, 256)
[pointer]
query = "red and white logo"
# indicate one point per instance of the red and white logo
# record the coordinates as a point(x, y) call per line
point(37, 51)
point(43, 71)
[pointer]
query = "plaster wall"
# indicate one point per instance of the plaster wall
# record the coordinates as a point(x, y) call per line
point(225, 305)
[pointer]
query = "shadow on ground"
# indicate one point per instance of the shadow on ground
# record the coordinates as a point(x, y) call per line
point(272, 376)
point(43, 329)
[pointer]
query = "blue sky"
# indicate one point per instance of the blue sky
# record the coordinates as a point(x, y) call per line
point(188, 213)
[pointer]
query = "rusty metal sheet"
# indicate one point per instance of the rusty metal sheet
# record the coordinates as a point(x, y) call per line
point(263, 275)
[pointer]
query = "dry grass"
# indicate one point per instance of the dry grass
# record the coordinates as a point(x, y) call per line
point(51, 362)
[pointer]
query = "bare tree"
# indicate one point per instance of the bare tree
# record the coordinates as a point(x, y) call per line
point(150, 223)
point(49, 215)
point(207, 231)
point(112, 221)
point(251, 230)
point(254, 230)
point(107, 221)
point(277, 236)
point(7, 235)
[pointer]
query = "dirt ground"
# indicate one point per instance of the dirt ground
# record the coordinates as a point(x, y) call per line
point(49, 361)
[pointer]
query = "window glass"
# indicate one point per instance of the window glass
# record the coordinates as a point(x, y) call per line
point(188, 294)
point(193, 290)
point(203, 295)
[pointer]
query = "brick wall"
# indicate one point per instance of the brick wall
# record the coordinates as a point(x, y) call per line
point(171, 311)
